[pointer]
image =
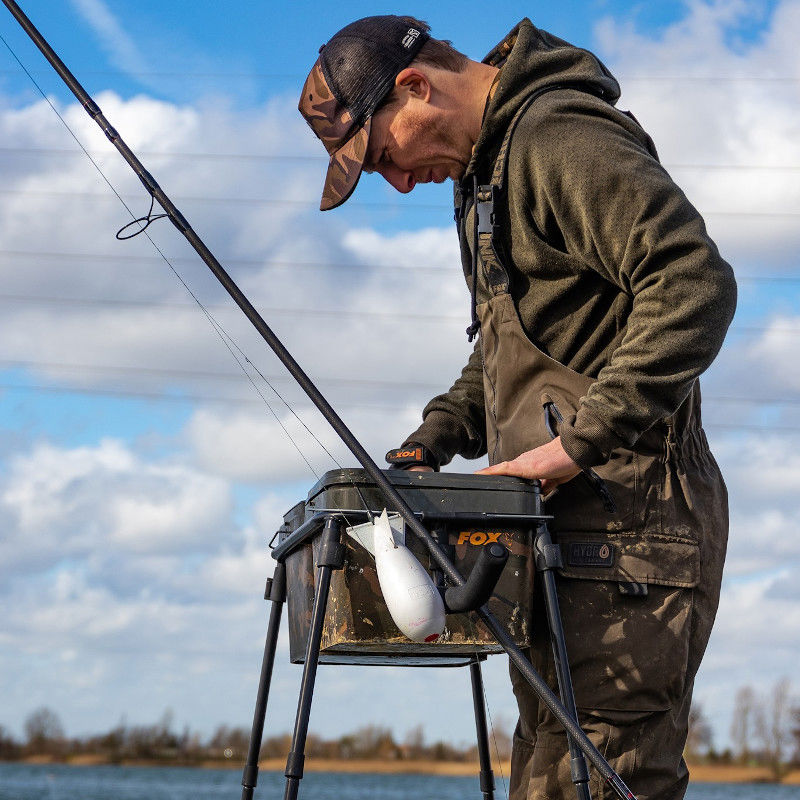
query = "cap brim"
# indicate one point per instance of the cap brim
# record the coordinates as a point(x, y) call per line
point(344, 169)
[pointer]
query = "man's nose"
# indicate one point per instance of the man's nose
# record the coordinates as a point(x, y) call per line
point(402, 180)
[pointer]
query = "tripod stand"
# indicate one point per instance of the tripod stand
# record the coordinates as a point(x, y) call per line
point(327, 527)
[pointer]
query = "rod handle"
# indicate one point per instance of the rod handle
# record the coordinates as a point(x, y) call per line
point(478, 588)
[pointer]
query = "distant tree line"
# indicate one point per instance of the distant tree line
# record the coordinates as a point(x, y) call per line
point(160, 743)
point(765, 731)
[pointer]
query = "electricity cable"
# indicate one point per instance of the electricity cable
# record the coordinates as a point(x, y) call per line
point(227, 340)
point(373, 205)
point(290, 264)
point(427, 319)
point(184, 398)
point(33, 151)
point(375, 383)
point(623, 77)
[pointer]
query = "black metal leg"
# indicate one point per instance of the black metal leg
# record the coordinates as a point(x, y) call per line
point(276, 592)
point(548, 558)
point(330, 558)
point(487, 776)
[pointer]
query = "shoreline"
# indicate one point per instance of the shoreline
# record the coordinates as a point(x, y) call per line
point(699, 773)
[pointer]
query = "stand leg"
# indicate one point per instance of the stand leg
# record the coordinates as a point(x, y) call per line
point(548, 558)
point(331, 557)
point(487, 776)
point(276, 592)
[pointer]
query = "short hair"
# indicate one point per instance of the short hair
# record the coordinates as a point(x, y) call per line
point(438, 53)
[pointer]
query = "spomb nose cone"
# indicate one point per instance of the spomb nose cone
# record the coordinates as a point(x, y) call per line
point(412, 598)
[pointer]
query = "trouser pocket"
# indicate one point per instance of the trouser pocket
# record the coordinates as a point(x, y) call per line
point(627, 609)
point(644, 749)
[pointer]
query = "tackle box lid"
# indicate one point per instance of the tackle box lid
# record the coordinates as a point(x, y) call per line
point(426, 491)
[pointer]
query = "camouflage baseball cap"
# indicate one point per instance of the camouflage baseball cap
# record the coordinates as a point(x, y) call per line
point(355, 71)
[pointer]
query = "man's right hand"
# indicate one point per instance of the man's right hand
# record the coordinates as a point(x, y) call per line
point(411, 456)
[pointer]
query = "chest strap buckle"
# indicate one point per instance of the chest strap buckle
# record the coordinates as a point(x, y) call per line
point(485, 203)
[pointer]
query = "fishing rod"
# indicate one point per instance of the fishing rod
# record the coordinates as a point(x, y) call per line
point(390, 494)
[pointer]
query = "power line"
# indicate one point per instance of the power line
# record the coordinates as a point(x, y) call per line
point(748, 329)
point(35, 151)
point(713, 78)
point(172, 74)
point(767, 279)
point(14, 151)
point(297, 76)
point(182, 372)
point(257, 262)
point(754, 167)
point(272, 311)
point(338, 313)
point(202, 374)
point(188, 398)
point(136, 395)
point(257, 201)
point(250, 262)
point(181, 398)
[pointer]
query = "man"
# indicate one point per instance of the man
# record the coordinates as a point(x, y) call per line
point(599, 299)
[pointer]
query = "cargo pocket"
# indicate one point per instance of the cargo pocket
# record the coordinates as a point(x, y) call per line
point(550, 777)
point(626, 604)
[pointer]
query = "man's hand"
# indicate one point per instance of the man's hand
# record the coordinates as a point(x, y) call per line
point(421, 468)
point(549, 463)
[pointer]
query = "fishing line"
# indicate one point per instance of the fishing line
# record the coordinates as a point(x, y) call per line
point(229, 342)
point(474, 629)
point(148, 219)
point(494, 741)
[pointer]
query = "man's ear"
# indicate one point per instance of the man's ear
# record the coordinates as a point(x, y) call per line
point(415, 82)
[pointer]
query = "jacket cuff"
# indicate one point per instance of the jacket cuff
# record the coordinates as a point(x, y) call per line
point(438, 434)
point(587, 440)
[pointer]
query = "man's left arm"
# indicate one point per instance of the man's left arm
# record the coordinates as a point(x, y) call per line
point(616, 208)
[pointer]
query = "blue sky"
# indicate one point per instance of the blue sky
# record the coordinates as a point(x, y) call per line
point(141, 476)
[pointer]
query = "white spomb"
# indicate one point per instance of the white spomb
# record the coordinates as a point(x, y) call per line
point(409, 592)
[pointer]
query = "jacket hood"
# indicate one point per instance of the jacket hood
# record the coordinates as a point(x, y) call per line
point(531, 59)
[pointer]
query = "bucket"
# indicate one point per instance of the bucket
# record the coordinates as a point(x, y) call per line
point(464, 513)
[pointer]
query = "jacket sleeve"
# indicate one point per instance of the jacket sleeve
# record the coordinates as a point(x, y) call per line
point(592, 179)
point(454, 423)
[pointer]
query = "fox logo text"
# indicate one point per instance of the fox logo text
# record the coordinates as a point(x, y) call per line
point(478, 537)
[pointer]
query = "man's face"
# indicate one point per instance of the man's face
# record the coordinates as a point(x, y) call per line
point(412, 141)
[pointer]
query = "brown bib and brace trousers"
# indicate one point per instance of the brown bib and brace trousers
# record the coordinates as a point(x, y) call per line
point(639, 588)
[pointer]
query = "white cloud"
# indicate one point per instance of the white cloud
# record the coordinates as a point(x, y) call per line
point(59, 504)
point(771, 357)
point(126, 573)
point(113, 38)
point(708, 103)
point(255, 447)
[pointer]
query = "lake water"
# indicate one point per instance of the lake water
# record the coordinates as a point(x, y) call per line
point(59, 782)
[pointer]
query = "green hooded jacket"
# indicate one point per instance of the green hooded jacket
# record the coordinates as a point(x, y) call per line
point(612, 271)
